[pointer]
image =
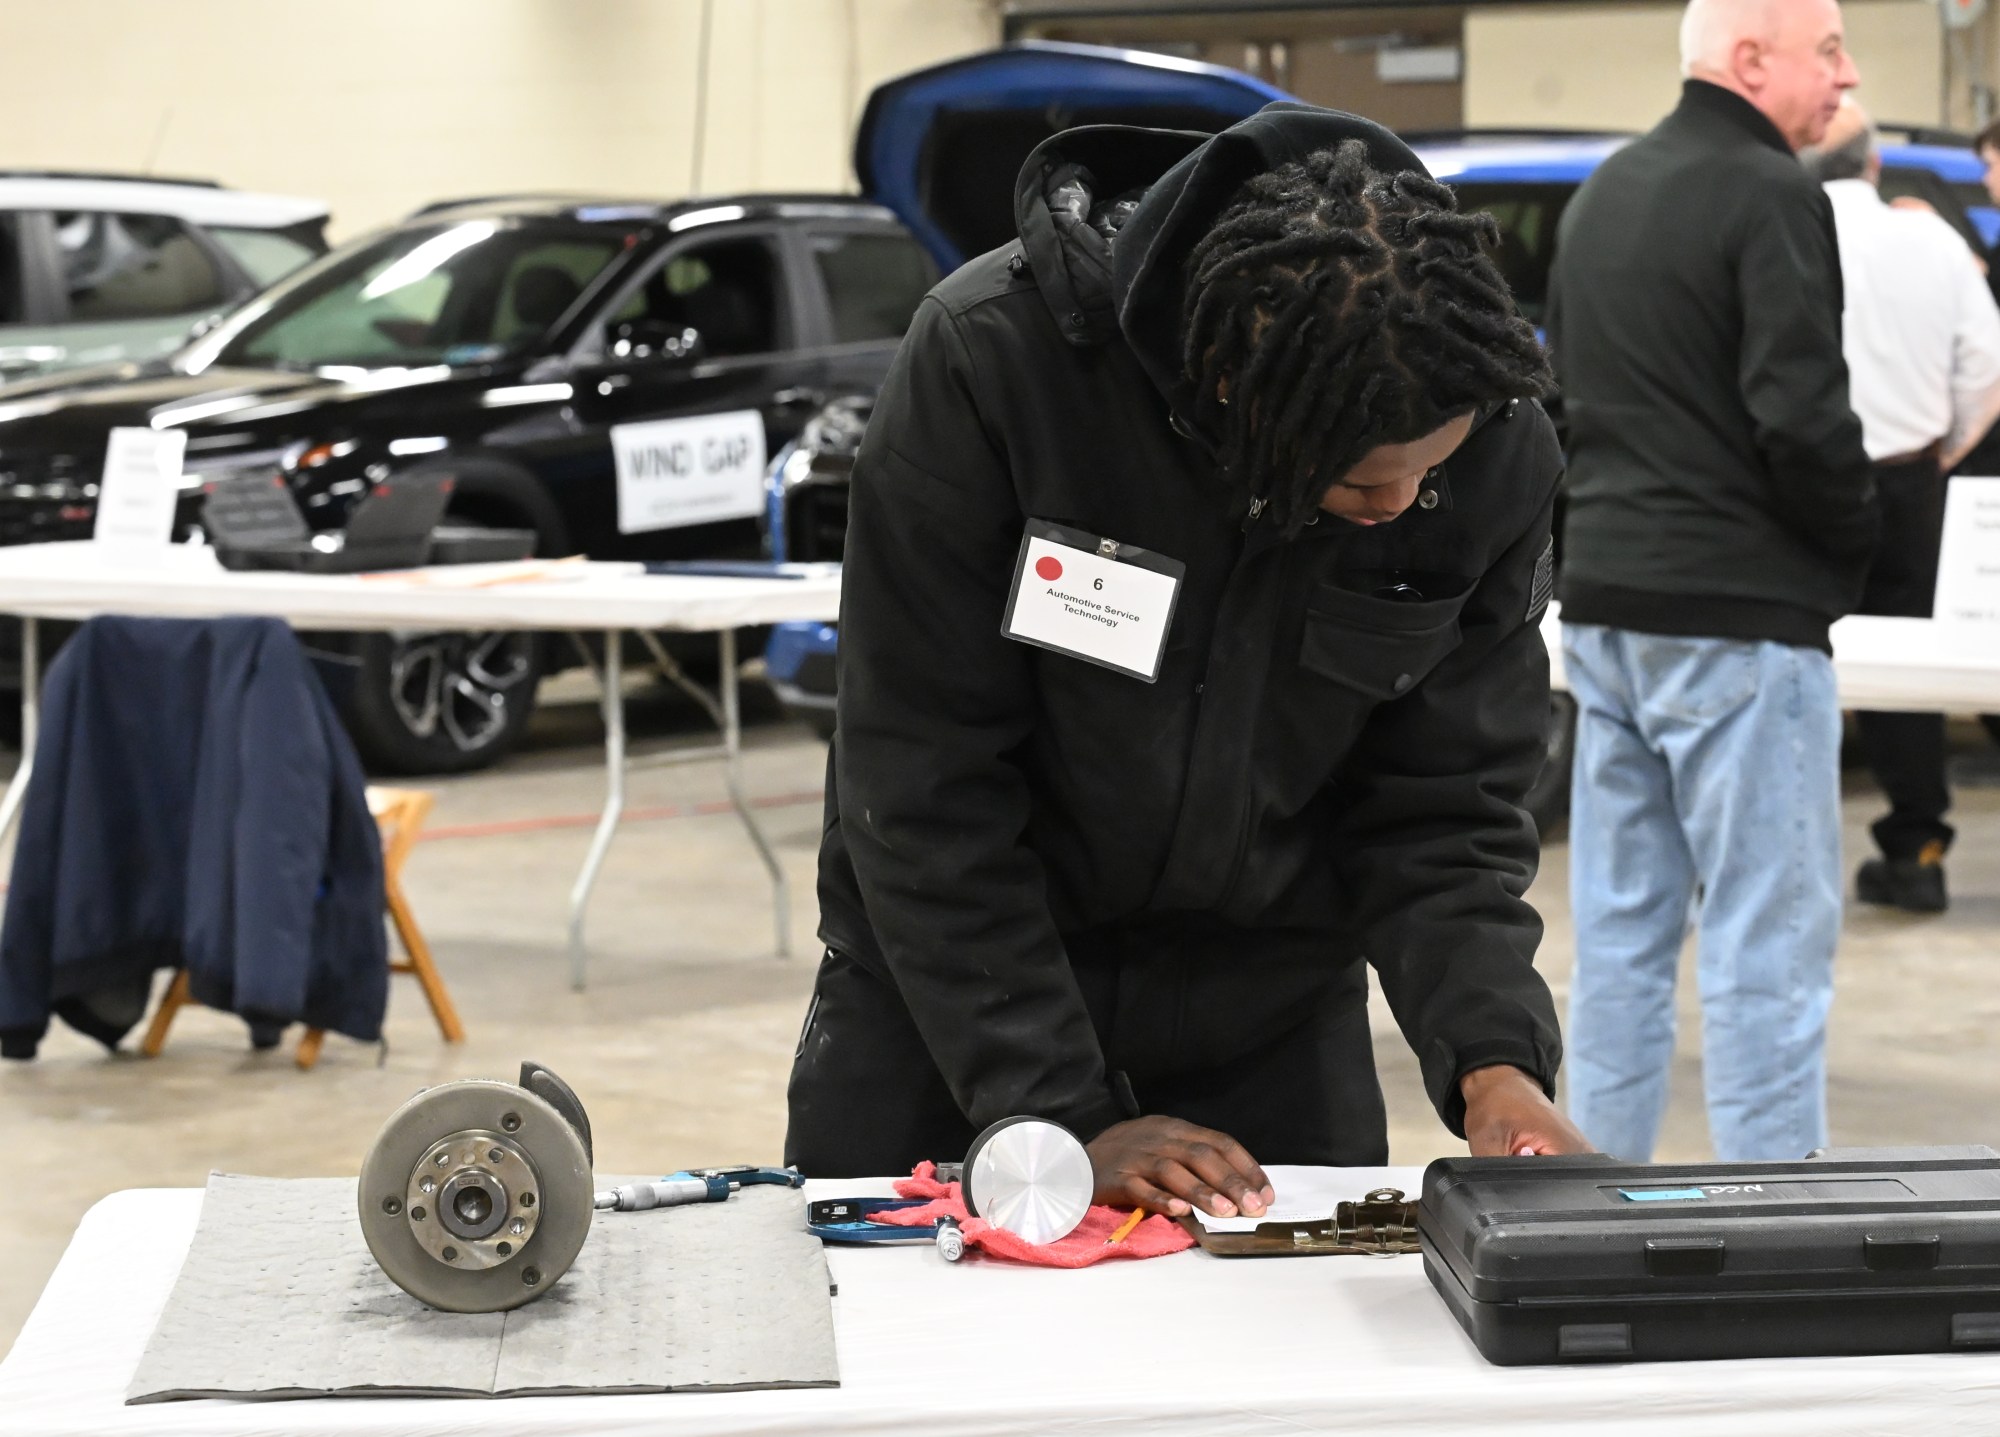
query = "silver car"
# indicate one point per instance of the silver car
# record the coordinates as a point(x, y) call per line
point(100, 267)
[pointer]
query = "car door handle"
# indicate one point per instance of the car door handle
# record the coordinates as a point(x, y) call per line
point(798, 395)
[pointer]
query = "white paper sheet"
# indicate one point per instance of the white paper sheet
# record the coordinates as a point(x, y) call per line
point(1309, 1194)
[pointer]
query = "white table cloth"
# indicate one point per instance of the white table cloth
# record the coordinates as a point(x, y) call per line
point(1184, 1346)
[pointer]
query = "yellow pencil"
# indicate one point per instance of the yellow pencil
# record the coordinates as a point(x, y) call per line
point(1125, 1231)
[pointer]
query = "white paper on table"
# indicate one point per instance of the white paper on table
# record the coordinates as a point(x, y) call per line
point(1305, 1195)
point(1968, 587)
point(140, 488)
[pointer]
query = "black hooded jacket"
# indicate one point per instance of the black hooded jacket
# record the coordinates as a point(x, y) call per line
point(1318, 774)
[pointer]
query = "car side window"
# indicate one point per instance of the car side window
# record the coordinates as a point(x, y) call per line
point(1910, 182)
point(120, 266)
point(266, 255)
point(874, 282)
point(726, 290)
point(1528, 216)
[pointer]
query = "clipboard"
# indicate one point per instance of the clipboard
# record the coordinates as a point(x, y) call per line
point(1383, 1223)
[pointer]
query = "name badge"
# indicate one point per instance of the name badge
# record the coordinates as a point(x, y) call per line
point(1094, 599)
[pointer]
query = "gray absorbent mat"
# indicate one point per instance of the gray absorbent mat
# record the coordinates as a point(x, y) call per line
point(279, 1297)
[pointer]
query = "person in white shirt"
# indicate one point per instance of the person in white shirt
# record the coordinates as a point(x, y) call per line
point(1922, 341)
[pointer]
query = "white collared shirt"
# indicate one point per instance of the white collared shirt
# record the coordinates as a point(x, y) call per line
point(1920, 331)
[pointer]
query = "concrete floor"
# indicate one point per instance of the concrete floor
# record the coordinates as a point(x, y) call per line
point(681, 1044)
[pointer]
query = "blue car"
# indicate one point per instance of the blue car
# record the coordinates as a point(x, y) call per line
point(942, 147)
point(1525, 181)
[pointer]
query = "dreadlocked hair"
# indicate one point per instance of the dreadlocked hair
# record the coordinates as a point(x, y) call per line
point(1332, 308)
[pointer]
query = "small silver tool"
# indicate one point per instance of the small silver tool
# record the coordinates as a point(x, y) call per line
point(950, 1239)
point(699, 1185)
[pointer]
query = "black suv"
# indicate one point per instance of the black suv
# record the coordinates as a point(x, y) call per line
point(508, 343)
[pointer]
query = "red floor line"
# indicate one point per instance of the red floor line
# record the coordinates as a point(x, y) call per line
point(705, 809)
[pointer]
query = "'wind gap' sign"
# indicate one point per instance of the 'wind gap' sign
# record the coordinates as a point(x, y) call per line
point(673, 472)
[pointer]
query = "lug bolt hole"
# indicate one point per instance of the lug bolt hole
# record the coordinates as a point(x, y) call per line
point(511, 1123)
point(451, 1254)
point(417, 1214)
point(504, 1249)
point(392, 1206)
point(527, 1199)
point(531, 1275)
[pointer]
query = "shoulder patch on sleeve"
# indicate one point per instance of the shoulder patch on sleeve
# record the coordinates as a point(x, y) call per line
point(1544, 587)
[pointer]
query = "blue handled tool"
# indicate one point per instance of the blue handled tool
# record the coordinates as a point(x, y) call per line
point(846, 1220)
point(694, 1185)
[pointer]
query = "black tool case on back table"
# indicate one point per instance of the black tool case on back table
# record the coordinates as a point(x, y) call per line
point(1586, 1258)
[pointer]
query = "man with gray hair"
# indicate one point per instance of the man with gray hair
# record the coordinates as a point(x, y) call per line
point(1721, 517)
point(1922, 340)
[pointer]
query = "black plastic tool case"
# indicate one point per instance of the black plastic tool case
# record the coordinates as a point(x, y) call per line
point(1853, 1251)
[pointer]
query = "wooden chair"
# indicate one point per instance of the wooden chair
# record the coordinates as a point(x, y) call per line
point(399, 814)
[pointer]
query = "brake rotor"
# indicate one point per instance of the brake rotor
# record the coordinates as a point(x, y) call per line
point(476, 1196)
point(1030, 1176)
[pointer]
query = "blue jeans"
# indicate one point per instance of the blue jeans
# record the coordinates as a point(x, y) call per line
point(1707, 789)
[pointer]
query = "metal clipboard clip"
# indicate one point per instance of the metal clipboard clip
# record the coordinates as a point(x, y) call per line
point(1382, 1224)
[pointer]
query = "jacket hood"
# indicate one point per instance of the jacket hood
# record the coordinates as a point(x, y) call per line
point(1072, 260)
point(1179, 207)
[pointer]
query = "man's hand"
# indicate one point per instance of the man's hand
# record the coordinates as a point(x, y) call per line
point(1168, 1166)
point(1507, 1115)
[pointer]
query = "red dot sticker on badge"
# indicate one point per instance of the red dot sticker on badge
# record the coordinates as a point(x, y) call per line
point(1049, 567)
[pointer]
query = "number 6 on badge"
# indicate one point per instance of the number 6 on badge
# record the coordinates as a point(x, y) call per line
point(1092, 598)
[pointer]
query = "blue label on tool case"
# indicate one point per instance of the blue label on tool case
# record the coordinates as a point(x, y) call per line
point(1663, 1194)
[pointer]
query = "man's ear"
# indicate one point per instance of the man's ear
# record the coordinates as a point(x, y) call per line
point(1746, 63)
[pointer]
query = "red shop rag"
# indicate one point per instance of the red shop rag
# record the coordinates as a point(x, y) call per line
point(1155, 1236)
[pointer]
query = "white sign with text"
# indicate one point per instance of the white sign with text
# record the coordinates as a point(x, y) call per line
point(1968, 587)
point(140, 488)
point(673, 472)
point(1091, 606)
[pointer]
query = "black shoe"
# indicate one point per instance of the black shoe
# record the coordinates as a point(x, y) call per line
point(1915, 885)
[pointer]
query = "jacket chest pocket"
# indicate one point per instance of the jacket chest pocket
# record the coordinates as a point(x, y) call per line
point(1382, 648)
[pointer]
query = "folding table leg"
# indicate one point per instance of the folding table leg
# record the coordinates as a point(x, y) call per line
point(407, 813)
point(732, 778)
point(612, 680)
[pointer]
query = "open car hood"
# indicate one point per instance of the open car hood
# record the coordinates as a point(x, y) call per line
point(942, 147)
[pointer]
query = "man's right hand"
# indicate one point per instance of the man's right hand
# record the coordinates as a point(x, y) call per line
point(1170, 1166)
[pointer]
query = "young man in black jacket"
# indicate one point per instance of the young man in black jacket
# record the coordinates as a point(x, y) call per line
point(1721, 516)
point(1188, 657)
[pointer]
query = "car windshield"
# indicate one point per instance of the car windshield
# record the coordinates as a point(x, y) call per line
point(451, 294)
